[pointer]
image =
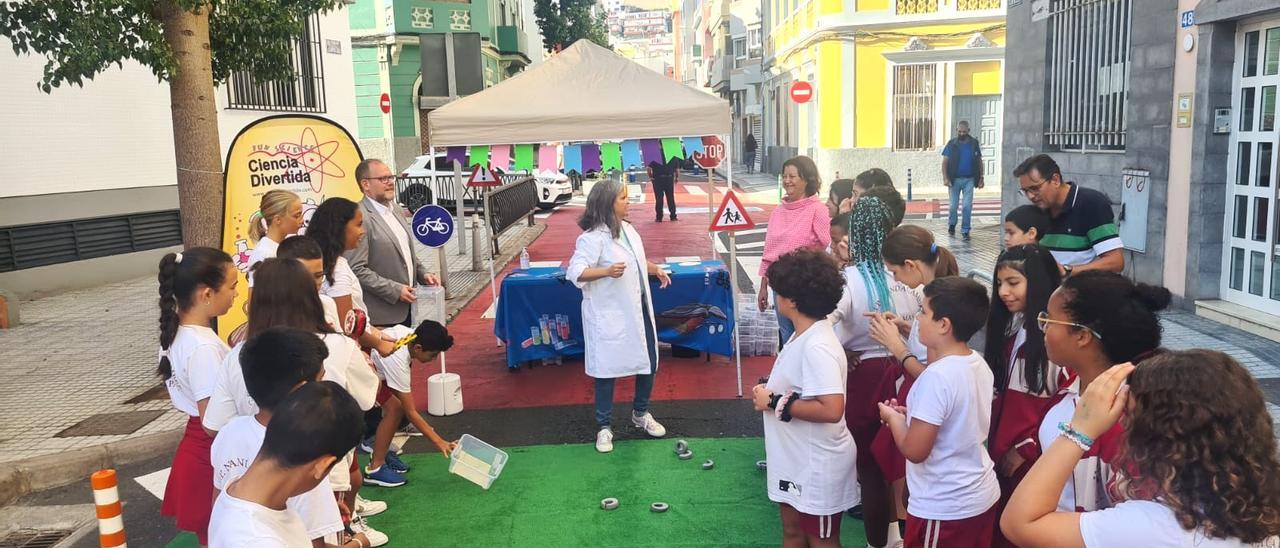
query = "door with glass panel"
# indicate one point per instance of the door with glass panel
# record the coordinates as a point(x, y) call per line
point(1251, 258)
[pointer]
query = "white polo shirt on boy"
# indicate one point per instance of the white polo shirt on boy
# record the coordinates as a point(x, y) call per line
point(237, 523)
point(394, 369)
point(958, 479)
point(811, 465)
point(195, 356)
point(235, 448)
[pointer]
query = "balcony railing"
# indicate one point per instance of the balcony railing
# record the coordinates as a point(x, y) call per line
point(919, 7)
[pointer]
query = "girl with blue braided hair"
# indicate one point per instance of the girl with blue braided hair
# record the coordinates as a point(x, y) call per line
point(869, 288)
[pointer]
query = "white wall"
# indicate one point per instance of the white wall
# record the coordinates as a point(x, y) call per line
point(113, 133)
point(116, 131)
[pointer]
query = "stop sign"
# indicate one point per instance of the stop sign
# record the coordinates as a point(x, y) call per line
point(712, 154)
point(385, 103)
point(801, 92)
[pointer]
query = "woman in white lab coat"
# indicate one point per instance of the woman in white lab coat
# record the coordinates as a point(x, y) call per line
point(610, 267)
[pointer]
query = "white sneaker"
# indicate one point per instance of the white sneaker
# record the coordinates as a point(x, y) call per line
point(376, 538)
point(604, 440)
point(366, 507)
point(650, 426)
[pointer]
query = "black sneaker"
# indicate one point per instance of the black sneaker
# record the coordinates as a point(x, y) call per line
point(658, 220)
point(674, 219)
point(951, 230)
point(965, 236)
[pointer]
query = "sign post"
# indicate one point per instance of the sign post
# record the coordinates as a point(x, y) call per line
point(732, 217)
point(484, 179)
point(433, 226)
point(709, 159)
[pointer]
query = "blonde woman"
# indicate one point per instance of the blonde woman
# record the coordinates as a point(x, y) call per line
point(279, 216)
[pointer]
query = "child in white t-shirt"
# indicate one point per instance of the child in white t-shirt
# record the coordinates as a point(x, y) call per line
point(279, 216)
point(423, 345)
point(196, 286)
point(942, 429)
point(1177, 407)
point(811, 454)
point(275, 362)
point(308, 433)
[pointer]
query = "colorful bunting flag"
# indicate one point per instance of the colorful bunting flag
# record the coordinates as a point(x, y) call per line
point(573, 158)
point(479, 156)
point(547, 160)
point(524, 158)
point(456, 154)
point(590, 157)
point(500, 157)
point(610, 157)
point(631, 154)
point(693, 145)
point(652, 151)
point(671, 148)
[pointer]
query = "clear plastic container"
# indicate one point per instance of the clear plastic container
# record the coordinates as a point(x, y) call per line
point(477, 461)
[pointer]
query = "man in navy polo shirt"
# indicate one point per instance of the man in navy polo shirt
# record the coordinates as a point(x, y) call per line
point(1082, 228)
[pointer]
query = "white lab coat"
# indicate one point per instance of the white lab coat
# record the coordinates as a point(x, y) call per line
point(612, 319)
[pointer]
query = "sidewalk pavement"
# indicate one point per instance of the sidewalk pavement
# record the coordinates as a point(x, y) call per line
point(81, 390)
point(759, 181)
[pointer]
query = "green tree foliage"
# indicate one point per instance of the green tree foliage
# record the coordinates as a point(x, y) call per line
point(564, 22)
point(191, 44)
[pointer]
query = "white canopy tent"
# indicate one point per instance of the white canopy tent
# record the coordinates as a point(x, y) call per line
point(586, 93)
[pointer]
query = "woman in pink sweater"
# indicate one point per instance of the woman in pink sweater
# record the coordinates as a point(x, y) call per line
point(802, 220)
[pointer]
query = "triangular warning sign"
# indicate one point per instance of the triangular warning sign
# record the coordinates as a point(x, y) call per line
point(482, 176)
point(731, 215)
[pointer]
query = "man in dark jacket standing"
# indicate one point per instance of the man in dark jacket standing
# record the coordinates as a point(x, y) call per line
point(961, 172)
point(663, 178)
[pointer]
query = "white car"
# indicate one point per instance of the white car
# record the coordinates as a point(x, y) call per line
point(554, 188)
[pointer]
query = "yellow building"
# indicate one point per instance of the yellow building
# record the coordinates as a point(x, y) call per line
point(891, 78)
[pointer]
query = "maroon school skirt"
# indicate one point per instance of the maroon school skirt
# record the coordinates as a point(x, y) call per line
point(189, 494)
point(862, 404)
point(890, 460)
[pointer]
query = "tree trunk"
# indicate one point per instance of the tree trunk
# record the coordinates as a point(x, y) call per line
point(194, 110)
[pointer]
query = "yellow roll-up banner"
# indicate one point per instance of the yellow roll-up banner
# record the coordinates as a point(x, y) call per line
point(310, 156)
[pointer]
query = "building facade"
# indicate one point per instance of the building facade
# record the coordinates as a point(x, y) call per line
point(890, 77)
point(388, 60)
point(1172, 114)
point(90, 194)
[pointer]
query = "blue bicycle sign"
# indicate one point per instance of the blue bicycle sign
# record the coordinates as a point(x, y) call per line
point(432, 225)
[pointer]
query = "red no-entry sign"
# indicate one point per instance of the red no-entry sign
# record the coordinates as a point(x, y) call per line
point(385, 103)
point(801, 92)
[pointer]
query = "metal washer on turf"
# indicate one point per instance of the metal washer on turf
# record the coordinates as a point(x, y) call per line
point(609, 503)
point(709, 464)
point(659, 507)
point(682, 446)
point(762, 465)
point(686, 455)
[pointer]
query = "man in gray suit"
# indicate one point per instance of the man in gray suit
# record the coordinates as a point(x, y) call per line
point(385, 261)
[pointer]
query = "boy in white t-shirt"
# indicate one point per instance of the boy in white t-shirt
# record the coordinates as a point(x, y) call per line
point(811, 454)
point(943, 427)
point(276, 362)
point(422, 345)
point(311, 431)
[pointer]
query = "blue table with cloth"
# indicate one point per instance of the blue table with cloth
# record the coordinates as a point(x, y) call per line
point(540, 312)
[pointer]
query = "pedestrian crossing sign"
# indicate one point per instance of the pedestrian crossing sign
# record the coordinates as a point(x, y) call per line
point(482, 176)
point(731, 215)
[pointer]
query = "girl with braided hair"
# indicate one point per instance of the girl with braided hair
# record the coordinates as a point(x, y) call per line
point(869, 288)
point(196, 286)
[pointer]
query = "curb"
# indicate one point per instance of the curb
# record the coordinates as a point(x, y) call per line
point(18, 479)
point(22, 478)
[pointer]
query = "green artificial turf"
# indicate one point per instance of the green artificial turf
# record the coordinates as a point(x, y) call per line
point(549, 496)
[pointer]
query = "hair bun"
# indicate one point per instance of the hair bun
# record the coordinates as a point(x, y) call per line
point(1153, 297)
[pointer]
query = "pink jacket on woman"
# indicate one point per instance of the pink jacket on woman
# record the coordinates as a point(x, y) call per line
point(794, 225)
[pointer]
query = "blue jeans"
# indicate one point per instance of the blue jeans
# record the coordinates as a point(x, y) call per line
point(604, 398)
point(960, 186)
point(785, 328)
